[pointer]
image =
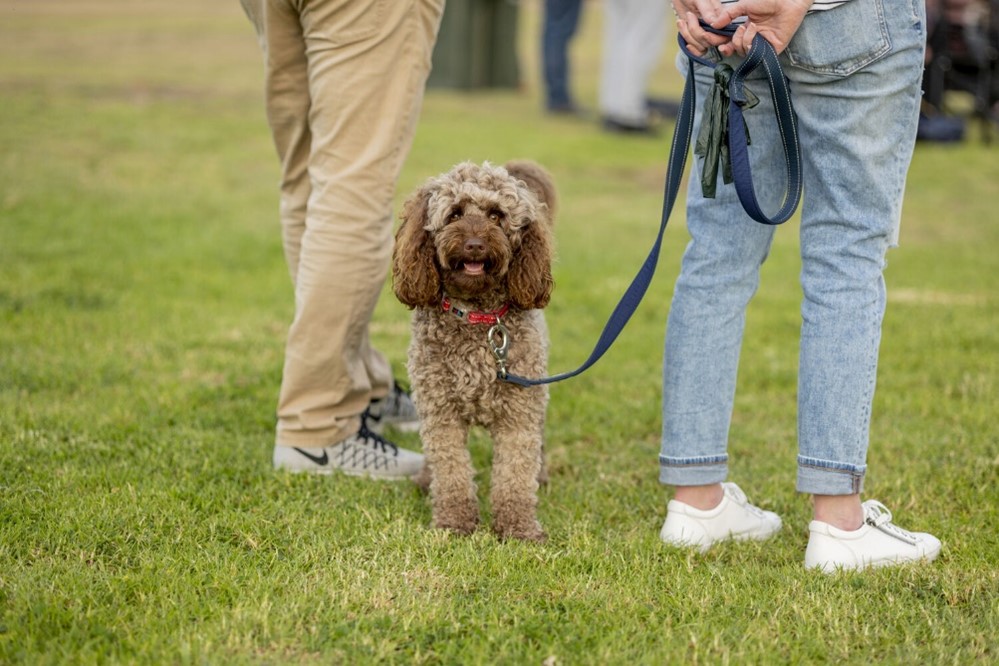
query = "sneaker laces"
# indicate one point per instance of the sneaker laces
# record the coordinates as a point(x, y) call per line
point(402, 402)
point(878, 516)
point(373, 439)
point(735, 493)
point(395, 403)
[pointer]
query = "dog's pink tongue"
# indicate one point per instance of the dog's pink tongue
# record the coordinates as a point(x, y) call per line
point(473, 268)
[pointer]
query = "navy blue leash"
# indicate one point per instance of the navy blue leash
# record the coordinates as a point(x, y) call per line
point(761, 53)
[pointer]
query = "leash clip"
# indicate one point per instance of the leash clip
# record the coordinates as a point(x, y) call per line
point(499, 341)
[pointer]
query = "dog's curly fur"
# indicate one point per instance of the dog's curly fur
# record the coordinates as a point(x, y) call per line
point(482, 237)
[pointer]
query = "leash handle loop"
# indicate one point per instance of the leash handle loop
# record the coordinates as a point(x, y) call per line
point(761, 53)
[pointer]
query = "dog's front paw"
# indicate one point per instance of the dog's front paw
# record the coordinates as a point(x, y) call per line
point(458, 517)
point(459, 527)
point(520, 530)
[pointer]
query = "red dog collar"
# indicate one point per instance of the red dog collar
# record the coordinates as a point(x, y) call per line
point(471, 317)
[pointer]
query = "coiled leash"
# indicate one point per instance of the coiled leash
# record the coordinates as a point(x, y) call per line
point(716, 142)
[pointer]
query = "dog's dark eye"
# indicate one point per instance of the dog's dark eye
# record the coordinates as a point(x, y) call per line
point(495, 215)
point(455, 214)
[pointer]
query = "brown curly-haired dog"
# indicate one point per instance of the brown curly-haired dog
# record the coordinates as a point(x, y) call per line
point(475, 247)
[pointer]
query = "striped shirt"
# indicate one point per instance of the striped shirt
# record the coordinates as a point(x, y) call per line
point(817, 6)
point(820, 5)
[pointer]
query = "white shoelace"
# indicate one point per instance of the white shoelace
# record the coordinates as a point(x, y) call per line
point(735, 494)
point(878, 516)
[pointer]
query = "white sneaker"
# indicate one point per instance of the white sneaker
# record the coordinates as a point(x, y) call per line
point(733, 518)
point(396, 410)
point(364, 453)
point(878, 542)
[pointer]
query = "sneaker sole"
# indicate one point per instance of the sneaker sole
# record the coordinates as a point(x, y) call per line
point(834, 567)
point(331, 472)
point(703, 548)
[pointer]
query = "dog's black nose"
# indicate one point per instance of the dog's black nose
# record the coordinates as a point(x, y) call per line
point(475, 247)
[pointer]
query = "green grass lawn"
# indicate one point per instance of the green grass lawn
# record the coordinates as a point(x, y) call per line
point(143, 306)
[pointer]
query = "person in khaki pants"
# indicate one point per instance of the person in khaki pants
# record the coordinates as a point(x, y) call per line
point(344, 82)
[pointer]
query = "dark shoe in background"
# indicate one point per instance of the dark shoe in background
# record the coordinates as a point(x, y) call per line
point(941, 129)
point(664, 108)
point(619, 127)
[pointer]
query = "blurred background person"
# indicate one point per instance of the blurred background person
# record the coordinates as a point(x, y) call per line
point(633, 42)
point(559, 25)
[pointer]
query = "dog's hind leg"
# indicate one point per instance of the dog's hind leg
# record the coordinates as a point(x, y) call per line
point(453, 495)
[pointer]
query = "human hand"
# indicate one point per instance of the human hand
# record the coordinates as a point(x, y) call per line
point(688, 13)
point(775, 20)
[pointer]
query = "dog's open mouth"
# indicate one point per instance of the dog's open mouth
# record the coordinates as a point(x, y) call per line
point(474, 268)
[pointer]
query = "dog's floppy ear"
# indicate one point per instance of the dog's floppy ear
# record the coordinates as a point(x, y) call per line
point(530, 280)
point(538, 180)
point(415, 278)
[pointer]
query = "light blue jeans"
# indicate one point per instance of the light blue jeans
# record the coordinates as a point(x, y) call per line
point(855, 75)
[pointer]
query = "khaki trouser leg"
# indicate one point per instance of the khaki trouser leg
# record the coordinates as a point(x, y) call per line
point(344, 86)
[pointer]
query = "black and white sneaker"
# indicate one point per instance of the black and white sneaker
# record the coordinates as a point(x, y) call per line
point(395, 410)
point(365, 453)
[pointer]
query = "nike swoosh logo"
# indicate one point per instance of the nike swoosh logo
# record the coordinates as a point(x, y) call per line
point(319, 460)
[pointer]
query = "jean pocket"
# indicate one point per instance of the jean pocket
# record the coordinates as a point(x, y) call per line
point(839, 42)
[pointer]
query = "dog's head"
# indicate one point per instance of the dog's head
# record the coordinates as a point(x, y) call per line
point(480, 234)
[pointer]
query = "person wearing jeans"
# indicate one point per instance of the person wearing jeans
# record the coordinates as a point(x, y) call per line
point(854, 68)
point(343, 84)
point(561, 19)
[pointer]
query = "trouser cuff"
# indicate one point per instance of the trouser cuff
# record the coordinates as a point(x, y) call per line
point(824, 477)
point(692, 471)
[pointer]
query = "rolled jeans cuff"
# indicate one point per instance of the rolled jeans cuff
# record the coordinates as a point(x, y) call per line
point(700, 471)
point(825, 477)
